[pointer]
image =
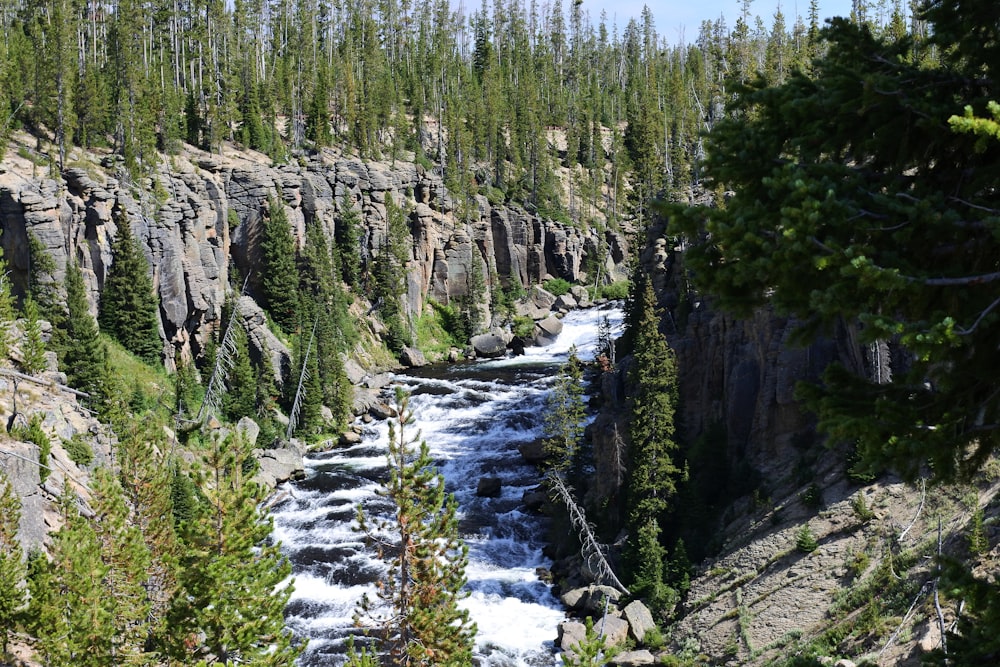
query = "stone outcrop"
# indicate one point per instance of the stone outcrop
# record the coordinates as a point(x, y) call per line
point(200, 214)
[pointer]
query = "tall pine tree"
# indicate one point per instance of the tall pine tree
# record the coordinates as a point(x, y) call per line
point(129, 310)
point(426, 562)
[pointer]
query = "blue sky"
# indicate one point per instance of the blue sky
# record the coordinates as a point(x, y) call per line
point(674, 15)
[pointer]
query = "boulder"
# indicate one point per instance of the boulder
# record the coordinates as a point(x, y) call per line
point(489, 345)
point(532, 452)
point(614, 629)
point(631, 658)
point(412, 358)
point(600, 597)
point(547, 330)
point(377, 381)
point(570, 634)
point(249, 430)
point(380, 410)
point(581, 295)
point(355, 373)
point(364, 400)
point(640, 619)
point(566, 302)
point(348, 438)
point(278, 465)
point(489, 487)
point(573, 599)
point(533, 501)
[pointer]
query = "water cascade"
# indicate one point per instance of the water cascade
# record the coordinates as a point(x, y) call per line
point(473, 417)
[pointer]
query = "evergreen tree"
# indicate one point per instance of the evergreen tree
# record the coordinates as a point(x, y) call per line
point(652, 474)
point(126, 584)
point(240, 399)
point(12, 566)
point(426, 562)
point(564, 415)
point(6, 309)
point(69, 611)
point(844, 181)
point(82, 355)
point(42, 286)
point(32, 344)
point(231, 600)
point(347, 236)
point(129, 310)
point(279, 278)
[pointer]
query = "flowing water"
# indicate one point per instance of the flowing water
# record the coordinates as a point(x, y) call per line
point(473, 416)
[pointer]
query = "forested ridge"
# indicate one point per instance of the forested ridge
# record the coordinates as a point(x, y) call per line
point(477, 96)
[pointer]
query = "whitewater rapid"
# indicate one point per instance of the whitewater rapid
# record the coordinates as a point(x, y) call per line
point(473, 417)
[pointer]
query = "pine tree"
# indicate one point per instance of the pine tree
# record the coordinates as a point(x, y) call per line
point(347, 236)
point(240, 399)
point(564, 415)
point(129, 310)
point(231, 600)
point(126, 590)
point(279, 278)
point(82, 355)
point(12, 565)
point(69, 612)
point(32, 344)
point(426, 560)
point(652, 474)
point(6, 309)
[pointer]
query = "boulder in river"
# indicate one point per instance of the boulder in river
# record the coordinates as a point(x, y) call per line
point(489, 487)
point(489, 345)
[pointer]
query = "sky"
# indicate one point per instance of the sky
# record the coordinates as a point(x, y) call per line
point(677, 17)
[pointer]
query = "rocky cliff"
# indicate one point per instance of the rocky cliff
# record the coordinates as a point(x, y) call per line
point(199, 216)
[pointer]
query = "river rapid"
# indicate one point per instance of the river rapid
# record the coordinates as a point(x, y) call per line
point(473, 417)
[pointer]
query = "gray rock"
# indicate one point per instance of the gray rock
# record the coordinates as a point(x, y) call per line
point(547, 330)
point(534, 500)
point(381, 411)
point(489, 487)
point(599, 598)
point(249, 430)
point(348, 438)
point(355, 374)
point(639, 618)
point(614, 629)
point(532, 452)
point(489, 345)
point(412, 357)
point(633, 658)
point(566, 302)
point(570, 634)
point(278, 465)
point(377, 381)
point(574, 599)
point(364, 401)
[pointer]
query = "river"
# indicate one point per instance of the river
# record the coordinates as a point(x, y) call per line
point(473, 417)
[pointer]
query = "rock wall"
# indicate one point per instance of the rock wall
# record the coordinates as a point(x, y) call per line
point(200, 215)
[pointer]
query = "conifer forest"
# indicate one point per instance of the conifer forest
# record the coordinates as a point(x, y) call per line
point(232, 232)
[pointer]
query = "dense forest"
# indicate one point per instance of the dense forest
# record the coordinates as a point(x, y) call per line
point(477, 96)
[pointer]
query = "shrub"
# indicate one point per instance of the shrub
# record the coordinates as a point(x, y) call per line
point(861, 509)
point(523, 326)
point(812, 497)
point(34, 433)
point(805, 541)
point(79, 450)
point(615, 291)
point(557, 286)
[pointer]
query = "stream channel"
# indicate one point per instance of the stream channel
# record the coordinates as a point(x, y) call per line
point(473, 416)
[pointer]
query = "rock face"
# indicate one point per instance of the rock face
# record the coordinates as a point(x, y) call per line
point(207, 216)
